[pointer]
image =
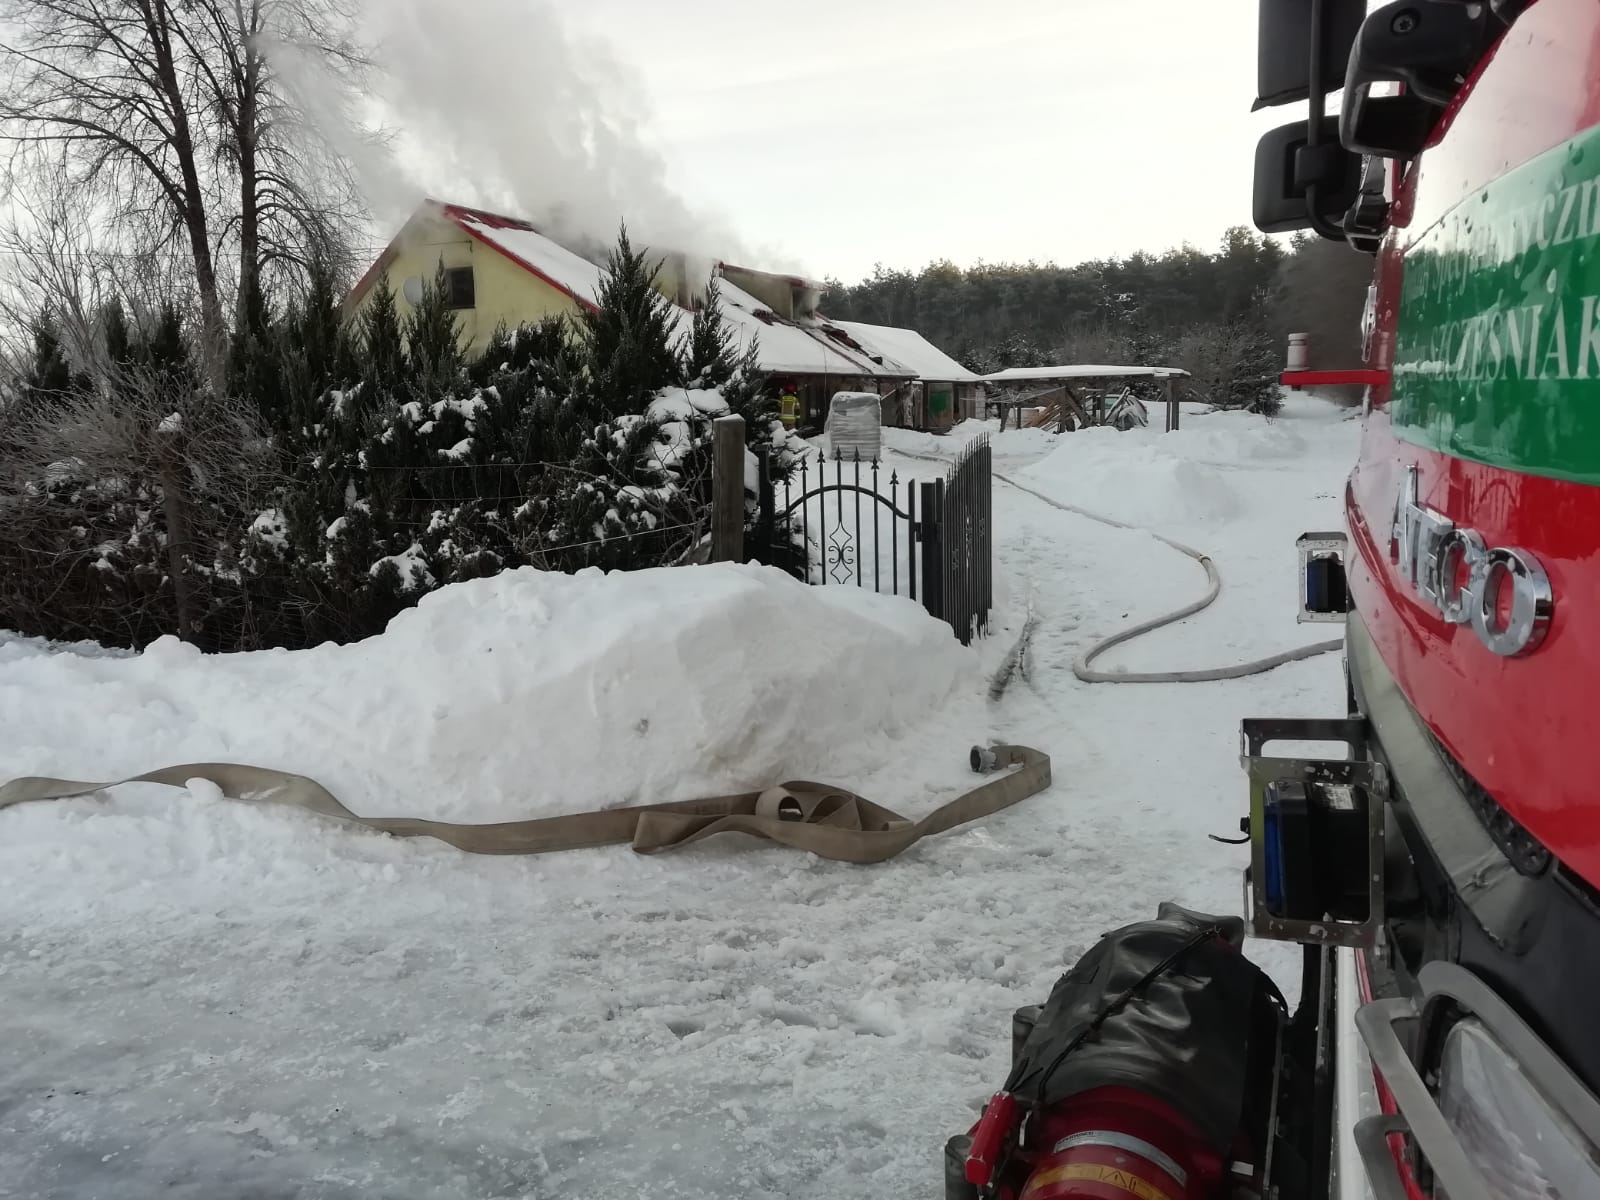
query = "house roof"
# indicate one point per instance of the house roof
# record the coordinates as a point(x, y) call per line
point(911, 350)
point(798, 281)
point(519, 240)
point(807, 346)
point(1081, 371)
point(531, 250)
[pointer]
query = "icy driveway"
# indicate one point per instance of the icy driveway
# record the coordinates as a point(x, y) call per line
point(198, 1000)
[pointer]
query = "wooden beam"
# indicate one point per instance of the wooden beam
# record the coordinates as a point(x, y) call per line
point(1172, 404)
point(1077, 408)
point(727, 489)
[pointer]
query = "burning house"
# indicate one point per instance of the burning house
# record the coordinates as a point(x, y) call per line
point(504, 271)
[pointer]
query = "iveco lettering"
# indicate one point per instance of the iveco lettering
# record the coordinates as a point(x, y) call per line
point(1503, 594)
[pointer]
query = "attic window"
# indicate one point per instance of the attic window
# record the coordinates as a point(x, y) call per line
point(459, 289)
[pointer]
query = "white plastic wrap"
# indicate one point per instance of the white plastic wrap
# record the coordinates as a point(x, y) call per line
point(855, 424)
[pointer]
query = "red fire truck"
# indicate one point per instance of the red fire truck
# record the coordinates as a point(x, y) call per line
point(1439, 861)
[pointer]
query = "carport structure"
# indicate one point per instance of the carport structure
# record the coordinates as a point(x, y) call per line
point(1069, 404)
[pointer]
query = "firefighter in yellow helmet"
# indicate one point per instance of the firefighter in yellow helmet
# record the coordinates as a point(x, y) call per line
point(789, 407)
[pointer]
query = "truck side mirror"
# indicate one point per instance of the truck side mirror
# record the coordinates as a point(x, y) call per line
point(1283, 48)
point(1289, 172)
point(1429, 46)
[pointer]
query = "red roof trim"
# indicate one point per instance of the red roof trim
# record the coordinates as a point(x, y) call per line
point(364, 284)
point(454, 212)
point(459, 216)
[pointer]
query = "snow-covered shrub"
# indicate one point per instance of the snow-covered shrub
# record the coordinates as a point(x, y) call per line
point(366, 464)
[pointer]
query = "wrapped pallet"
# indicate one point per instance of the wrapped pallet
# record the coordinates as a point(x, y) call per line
point(855, 425)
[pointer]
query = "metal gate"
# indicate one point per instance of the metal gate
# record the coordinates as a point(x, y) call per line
point(837, 522)
point(958, 548)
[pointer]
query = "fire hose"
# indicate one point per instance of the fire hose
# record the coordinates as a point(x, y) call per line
point(827, 821)
point(1083, 667)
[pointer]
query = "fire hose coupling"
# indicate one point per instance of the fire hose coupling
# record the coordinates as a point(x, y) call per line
point(986, 760)
point(989, 1140)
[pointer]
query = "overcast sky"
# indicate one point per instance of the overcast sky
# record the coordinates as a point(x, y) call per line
point(841, 133)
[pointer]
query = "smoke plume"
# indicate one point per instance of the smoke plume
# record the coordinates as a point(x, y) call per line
point(495, 103)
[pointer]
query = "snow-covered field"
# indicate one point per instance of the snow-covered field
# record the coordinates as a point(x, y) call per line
point(200, 999)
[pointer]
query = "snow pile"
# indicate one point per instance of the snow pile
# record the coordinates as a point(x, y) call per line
point(1143, 476)
point(683, 413)
point(205, 999)
point(411, 566)
point(1236, 439)
point(15, 648)
point(525, 694)
point(272, 527)
point(1006, 443)
point(686, 404)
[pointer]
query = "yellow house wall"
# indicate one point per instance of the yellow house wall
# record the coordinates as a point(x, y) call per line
point(505, 292)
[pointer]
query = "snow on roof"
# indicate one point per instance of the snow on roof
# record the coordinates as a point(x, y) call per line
point(527, 247)
point(1082, 371)
point(803, 347)
point(791, 347)
point(798, 281)
point(910, 349)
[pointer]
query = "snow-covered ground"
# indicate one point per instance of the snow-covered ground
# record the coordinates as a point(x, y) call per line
point(202, 999)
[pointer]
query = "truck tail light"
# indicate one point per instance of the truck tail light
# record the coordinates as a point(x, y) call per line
point(1523, 1146)
point(1494, 1113)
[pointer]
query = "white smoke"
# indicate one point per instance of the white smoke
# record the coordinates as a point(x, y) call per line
point(498, 105)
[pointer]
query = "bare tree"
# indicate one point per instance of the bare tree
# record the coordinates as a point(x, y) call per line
point(107, 82)
point(1231, 364)
point(1321, 290)
point(274, 74)
point(1093, 342)
point(171, 117)
point(124, 507)
point(55, 253)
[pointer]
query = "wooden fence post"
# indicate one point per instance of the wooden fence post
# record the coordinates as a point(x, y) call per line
point(174, 509)
point(727, 490)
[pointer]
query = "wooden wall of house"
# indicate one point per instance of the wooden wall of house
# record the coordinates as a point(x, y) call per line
point(969, 405)
point(966, 403)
